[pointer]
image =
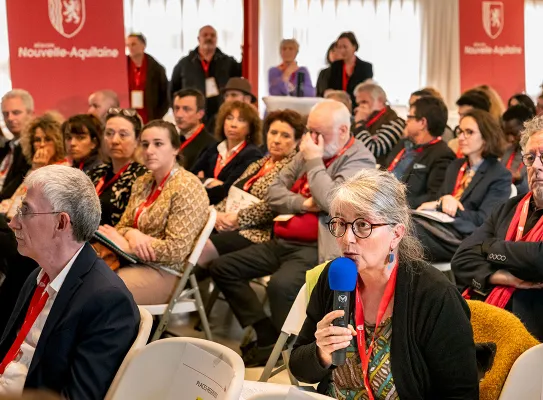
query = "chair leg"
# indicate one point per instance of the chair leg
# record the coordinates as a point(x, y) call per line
point(276, 353)
point(201, 308)
point(286, 359)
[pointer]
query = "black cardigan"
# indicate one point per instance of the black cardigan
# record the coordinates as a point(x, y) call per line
point(195, 148)
point(362, 71)
point(432, 350)
point(16, 173)
point(230, 173)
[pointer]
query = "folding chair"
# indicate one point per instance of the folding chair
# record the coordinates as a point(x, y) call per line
point(185, 301)
point(293, 324)
point(525, 379)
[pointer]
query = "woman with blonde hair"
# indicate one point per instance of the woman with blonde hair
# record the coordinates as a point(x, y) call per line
point(497, 106)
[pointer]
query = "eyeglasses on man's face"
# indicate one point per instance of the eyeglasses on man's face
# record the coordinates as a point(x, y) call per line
point(20, 213)
point(529, 159)
point(361, 228)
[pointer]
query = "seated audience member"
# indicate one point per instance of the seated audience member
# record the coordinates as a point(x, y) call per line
point(513, 121)
point(167, 210)
point(17, 110)
point(472, 188)
point(376, 125)
point(253, 224)
point(497, 108)
point(348, 70)
point(422, 157)
point(42, 144)
point(448, 133)
point(324, 76)
point(341, 96)
point(288, 79)
point(75, 337)
point(522, 99)
point(501, 261)
point(328, 155)
point(113, 180)
point(239, 131)
point(82, 139)
point(424, 345)
point(188, 109)
point(100, 102)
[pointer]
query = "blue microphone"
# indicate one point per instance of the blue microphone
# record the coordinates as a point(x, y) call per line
point(342, 276)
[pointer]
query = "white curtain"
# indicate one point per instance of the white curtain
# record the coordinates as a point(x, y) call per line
point(533, 16)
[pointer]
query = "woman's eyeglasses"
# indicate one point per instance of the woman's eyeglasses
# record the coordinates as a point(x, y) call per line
point(466, 132)
point(127, 112)
point(361, 228)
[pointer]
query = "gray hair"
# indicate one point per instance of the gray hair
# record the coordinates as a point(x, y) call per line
point(531, 127)
point(338, 112)
point(376, 194)
point(341, 96)
point(71, 191)
point(111, 96)
point(22, 94)
point(293, 42)
point(376, 91)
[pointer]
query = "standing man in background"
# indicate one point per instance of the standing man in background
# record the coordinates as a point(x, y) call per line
point(147, 81)
point(100, 102)
point(207, 69)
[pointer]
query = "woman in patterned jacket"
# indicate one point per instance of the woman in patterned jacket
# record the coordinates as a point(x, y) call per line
point(238, 227)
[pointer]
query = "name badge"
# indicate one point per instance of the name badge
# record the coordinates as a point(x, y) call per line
point(136, 99)
point(212, 89)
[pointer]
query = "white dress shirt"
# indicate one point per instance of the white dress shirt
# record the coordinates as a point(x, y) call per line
point(14, 377)
point(222, 148)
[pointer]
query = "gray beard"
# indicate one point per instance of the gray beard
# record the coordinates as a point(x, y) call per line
point(538, 194)
point(330, 150)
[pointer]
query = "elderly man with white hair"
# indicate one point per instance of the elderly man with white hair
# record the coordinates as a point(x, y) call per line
point(376, 125)
point(74, 320)
point(328, 156)
point(17, 110)
point(501, 262)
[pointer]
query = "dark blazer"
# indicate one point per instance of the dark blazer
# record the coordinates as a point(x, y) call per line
point(490, 187)
point(362, 70)
point(189, 73)
point(16, 173)
point(90, 328)
point(195, 148)
point(155, 95)
point(424, 181)
point(322, 81)
point(432, 350)
point(230, 173)
point(486, 251)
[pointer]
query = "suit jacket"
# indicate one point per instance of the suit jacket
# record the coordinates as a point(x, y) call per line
point(489, 188)
point(88, 332)
point(229, 174)
point(362, 70)
point(195, 148)
point(425, 175)
point(16, 173)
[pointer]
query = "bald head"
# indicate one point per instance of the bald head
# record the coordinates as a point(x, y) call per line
point(100, 102)
point(207, 39)
point(332, 120)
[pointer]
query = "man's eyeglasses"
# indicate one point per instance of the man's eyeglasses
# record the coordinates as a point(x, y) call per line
point(20, 213)
point(361, 228)
point(529, 159)
point(410, 116)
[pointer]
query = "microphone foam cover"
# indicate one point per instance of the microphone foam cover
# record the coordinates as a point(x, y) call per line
point(342, 274)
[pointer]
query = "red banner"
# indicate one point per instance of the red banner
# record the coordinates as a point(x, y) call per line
point(492, 45)
point(63, 50)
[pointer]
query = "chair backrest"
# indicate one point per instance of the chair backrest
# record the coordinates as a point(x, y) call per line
point(514, 191)
point(146, 323)
point(150, 373)
point(296, 315)
point(525, 380)
point(204, 235)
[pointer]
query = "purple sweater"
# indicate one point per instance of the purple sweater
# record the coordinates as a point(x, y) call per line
point(277, 87)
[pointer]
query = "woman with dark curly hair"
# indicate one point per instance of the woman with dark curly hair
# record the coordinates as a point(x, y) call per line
point(82, 139)
point(239, 131)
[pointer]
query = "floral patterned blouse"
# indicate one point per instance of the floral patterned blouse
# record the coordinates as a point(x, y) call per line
point(115, 197)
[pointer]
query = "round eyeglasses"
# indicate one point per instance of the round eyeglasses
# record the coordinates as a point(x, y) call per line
point(529, 159)
point(361, 228)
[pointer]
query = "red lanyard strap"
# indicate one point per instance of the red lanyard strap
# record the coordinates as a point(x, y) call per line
point(510, 162)
point(267, 167)
point(34, 309)
point(205, 66)
point(102, 185)
point(194, 135)
point(219, 165)
point(153, 195)
point(402, 152)
point(459, 178)
point(376, 118)
point(360, 329)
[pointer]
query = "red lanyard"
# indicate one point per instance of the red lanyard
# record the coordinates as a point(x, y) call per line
point(267, 167)
point(81, 164)
point(103, 185)
point(34, 309)
point(219, 165)
point(374, 119)
point(402, 152)
point(151, 198)
point(459, 178)
point(205, 66)
point(190, 139)
point(510, 162)
point(361, 332)
point(520, 217)
point(346, 77)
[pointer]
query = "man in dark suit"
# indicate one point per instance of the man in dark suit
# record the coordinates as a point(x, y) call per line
point(189, 110)
point(17, 110)
point(421, 158)
point(75, 320)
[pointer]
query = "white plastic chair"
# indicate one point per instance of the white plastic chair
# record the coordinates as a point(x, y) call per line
point(292, 326)
point(185, 301)
point(525, 380)
point(146, 323)
point(514, 191)
point(150, 374)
